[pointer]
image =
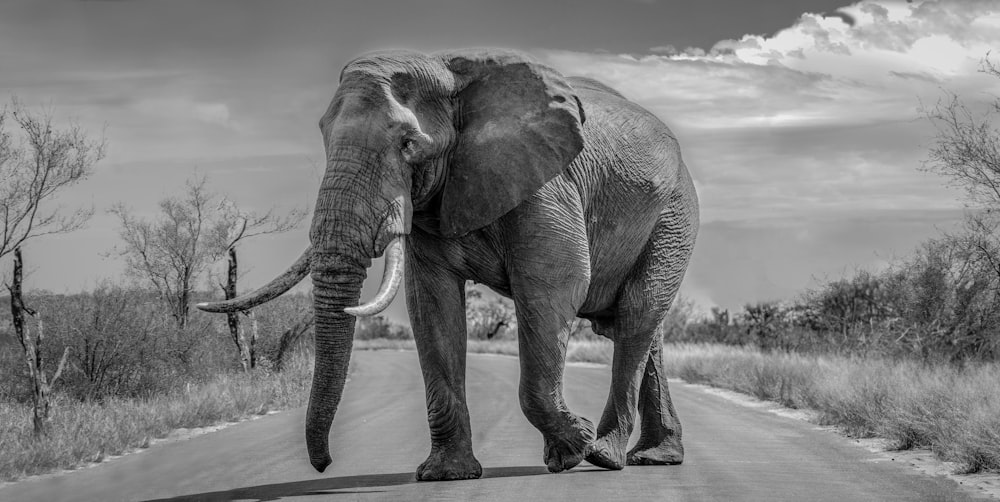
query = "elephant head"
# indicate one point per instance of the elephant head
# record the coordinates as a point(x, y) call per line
point(448, 142)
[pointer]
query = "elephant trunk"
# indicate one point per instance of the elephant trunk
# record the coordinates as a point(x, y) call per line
point(348, 229)
point(336, 286)
point(336, 289)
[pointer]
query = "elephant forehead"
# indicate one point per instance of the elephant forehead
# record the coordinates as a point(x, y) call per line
point(403, 68)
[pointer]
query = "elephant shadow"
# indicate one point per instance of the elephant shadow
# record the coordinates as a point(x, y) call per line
point(344, 485)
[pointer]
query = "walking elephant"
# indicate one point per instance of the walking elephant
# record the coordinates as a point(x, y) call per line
point(556, 192)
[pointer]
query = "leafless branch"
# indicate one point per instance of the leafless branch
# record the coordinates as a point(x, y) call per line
point(173, 251)
point(43, 161)
point(61, 367)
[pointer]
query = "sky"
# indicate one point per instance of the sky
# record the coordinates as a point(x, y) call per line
point(800, 120)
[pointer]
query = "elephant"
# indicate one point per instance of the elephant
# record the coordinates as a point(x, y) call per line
point(556, 192)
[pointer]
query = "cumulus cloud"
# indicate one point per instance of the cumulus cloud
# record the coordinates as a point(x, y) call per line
point(820, 117)
point(820, 70)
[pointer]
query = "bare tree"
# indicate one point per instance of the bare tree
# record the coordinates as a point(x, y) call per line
point(173, 252)
point(41, 385)
point(966, 151)
point(36, 162)
point(967, 146)
point(236, 226)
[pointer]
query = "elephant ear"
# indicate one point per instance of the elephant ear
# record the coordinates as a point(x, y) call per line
point(518, 126)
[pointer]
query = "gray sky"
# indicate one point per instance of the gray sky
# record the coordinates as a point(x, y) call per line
point(802, 132)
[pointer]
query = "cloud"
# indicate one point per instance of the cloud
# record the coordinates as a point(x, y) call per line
point(183, 109)
point(214, 113)
point(820, 117)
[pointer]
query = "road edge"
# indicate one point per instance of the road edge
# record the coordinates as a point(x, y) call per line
point(921, 460)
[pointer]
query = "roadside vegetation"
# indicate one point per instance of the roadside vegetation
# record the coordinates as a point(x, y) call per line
point(82, 432)
point(132, 376)
point(954, 410)
point(98, 373)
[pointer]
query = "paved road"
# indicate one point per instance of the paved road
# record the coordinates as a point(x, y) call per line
point(380, 436)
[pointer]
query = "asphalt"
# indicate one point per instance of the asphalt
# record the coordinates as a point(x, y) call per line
point(380, 435)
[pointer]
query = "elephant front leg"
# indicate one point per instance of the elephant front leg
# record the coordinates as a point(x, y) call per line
point(436, 303)
point(549, 258)
point(542, 341)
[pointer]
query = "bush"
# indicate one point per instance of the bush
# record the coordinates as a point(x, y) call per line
point(119, 341)
point(488, 316)
point(123, 343)
point(369, 328)
point(283, 324)
point(941, 303)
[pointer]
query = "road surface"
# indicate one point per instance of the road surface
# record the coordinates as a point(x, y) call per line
point(380, 436)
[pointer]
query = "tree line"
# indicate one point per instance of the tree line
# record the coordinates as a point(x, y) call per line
point(941, 302)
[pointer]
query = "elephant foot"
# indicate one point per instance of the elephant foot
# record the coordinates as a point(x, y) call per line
point(449, 464)
point(564, 451)
point(668, 452)
point(608, 452)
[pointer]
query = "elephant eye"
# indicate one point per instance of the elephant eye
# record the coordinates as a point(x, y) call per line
point(409, 149)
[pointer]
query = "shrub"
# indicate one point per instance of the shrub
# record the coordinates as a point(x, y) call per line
point(488, 316)
point(369, 328)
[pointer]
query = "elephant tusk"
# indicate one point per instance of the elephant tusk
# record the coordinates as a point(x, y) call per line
point(391, 279)
point(268, 292)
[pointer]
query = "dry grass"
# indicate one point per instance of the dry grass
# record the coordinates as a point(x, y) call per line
point(384, 344)
point(89, 432)
point(506, 347)
point(589, 351)
point(954, 411)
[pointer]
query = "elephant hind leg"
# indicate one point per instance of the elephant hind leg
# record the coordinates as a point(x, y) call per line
point(637, 377)
point(618, 418)
point(660, 437)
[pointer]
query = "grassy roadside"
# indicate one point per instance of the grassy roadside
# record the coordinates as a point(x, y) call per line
point(586, 351)
point(954, 411)
point(89, 432)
